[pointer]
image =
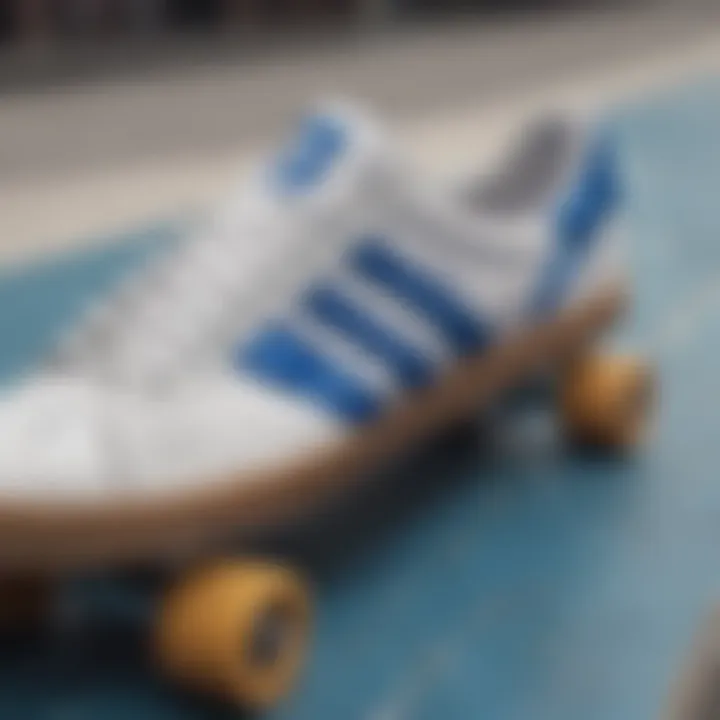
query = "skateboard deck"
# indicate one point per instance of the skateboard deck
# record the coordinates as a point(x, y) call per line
point(51, 538)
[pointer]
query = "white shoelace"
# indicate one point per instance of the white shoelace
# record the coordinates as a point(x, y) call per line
point(155, 323)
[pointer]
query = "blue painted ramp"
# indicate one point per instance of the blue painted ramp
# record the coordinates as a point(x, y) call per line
point(513, 582)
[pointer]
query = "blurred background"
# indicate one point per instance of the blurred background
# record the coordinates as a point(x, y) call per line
point(114, 112)
point(31, 20)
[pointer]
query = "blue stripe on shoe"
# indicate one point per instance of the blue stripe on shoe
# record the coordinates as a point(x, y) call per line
point(419, 291)
point(335, 310)
point(595, 196)
point(311, 154)
point(279, 356)
point(579, 223)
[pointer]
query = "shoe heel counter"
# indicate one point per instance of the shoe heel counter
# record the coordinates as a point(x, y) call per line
point(596, 196)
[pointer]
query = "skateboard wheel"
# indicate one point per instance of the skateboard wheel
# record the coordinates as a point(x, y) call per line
point(237, 630)
point(24, 602)
point(606, 401)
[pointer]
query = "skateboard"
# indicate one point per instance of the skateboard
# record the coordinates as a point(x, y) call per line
point(696, 695)
point(238, 628)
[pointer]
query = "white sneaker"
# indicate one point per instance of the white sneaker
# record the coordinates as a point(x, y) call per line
point(334, 283)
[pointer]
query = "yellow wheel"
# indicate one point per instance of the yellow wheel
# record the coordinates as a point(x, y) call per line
point(238, 630)
point(606, 401)
point(24, 602)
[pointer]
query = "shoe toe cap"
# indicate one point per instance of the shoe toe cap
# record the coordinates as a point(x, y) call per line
point(49, 439)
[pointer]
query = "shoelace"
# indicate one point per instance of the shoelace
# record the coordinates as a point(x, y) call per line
point(190, 295)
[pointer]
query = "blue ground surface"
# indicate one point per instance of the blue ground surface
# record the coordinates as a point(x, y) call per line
point(512, 582)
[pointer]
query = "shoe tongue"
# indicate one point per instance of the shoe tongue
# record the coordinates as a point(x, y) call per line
point(331, 150)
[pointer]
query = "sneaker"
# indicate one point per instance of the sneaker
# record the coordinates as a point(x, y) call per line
point(335, 284)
